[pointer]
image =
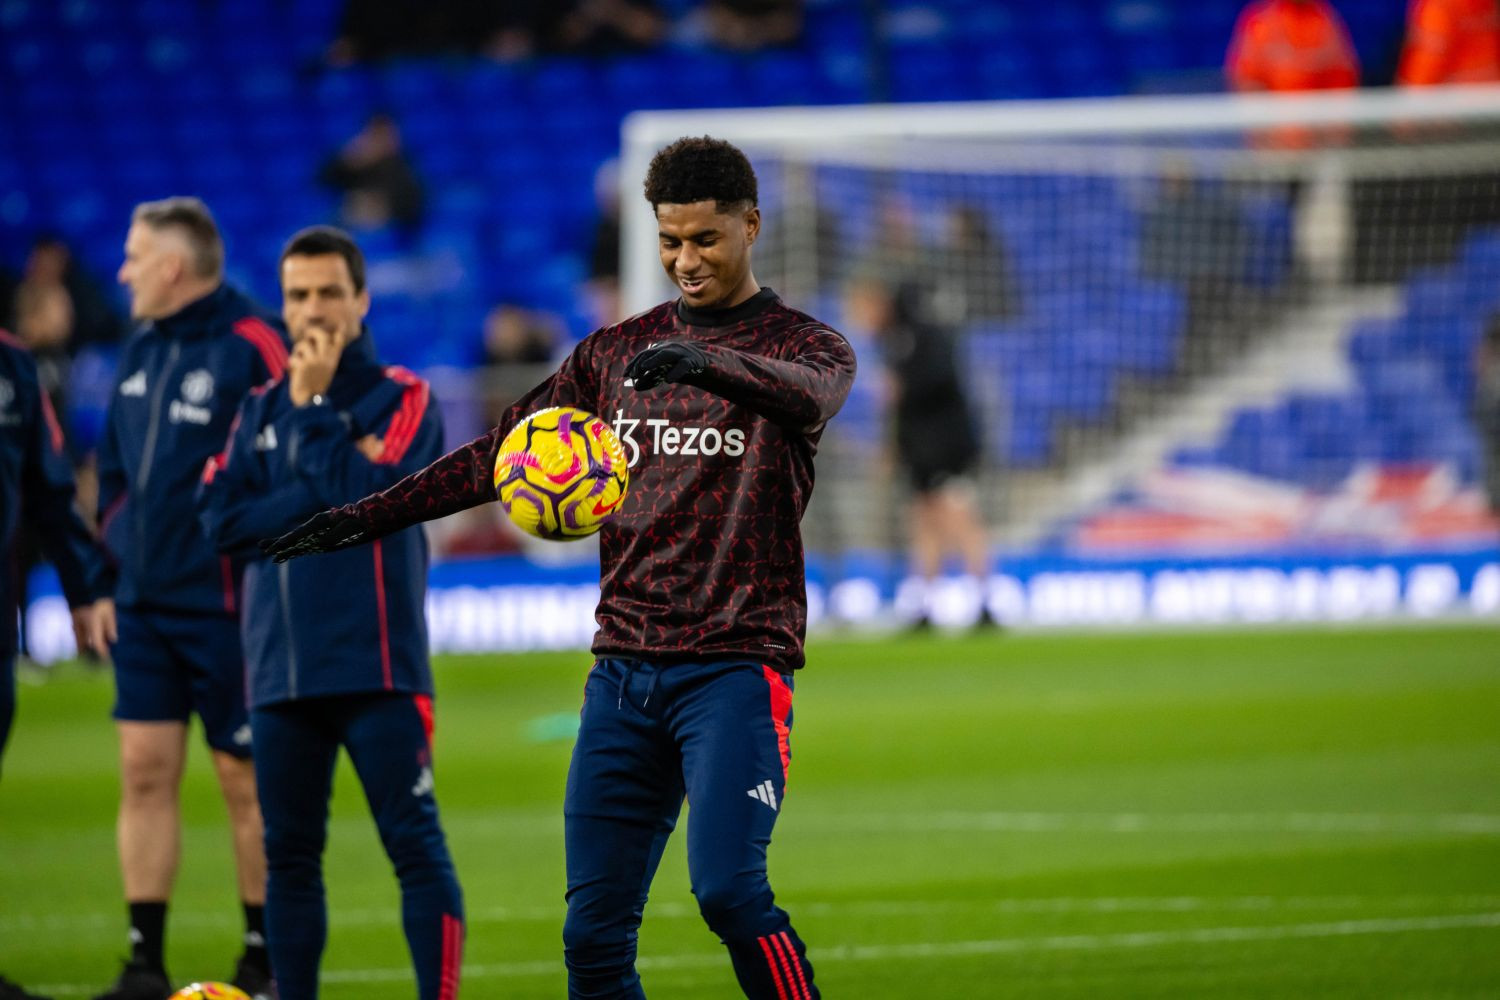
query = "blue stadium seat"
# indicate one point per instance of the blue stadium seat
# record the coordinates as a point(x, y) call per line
point(927, 72)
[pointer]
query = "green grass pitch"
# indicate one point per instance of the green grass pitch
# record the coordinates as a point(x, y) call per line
point(1232, 815)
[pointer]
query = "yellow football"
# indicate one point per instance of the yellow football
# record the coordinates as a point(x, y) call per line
point(561, 473)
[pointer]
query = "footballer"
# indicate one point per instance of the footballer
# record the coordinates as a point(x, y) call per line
point(720, 397)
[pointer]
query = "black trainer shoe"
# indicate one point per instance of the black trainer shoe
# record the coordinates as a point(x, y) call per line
point(137, 982)
point(13, 991)
point(254, 978)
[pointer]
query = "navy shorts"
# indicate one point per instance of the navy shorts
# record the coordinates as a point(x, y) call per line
point(169, 666)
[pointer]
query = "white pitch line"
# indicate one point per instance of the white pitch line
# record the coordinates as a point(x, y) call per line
point(1123, 823)
point(391, 916)
point(955, 949)
point(1466, 824)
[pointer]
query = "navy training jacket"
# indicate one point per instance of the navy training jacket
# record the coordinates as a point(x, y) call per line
point(180, 381)
point(36, 487)
point(347, 621)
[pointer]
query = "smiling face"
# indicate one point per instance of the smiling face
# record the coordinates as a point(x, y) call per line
point(705, 250)
point(317, 293)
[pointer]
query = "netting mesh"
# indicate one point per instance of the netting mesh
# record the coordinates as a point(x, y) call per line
point(1216, 338)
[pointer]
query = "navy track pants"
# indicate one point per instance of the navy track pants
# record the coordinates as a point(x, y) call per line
point(651, 734)
point(388, 737)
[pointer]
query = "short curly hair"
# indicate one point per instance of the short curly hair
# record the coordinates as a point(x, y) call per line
point(699, 169)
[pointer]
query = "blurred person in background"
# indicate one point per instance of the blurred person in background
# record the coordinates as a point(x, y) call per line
point(517, 336)
point(202, 346)
point(1487, 407)
point(379, 185)
point(747, 25)
point(373, 30)
point(519, 344)
point(45, 319)
point(1194, 236)
point(1285, 45)
point(603, 286)
point(1451, 41)
point(336, 647)
point(36, 488)
point(599, 27)
point(971, 267)
point(1302, 45)
point(59, 310)
point(936, 435)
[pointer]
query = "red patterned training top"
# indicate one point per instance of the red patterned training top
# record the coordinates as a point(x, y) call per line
point(704, 559)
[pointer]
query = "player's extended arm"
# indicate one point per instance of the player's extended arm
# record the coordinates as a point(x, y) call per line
point(461, 479)
point(801, 392)
point(339, 471)
point(457, 481)
point(236, 506)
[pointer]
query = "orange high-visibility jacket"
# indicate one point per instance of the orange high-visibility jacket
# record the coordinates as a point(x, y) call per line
point(1451, 41)
point(1291, 45)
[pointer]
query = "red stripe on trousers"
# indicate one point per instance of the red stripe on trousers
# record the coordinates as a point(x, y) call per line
point(775, 972)
point(453, 950)
point(796, 964)
point(385, 626)
point(424, 709)
point(781, 708)
point(787, 961)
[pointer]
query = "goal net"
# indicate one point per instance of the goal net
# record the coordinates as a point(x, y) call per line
point(1188, 327)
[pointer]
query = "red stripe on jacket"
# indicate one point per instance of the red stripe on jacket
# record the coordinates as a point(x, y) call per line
point(48, 413)
point(53, 427)
point(220, 461)
point(266, 341)
point(408, 419)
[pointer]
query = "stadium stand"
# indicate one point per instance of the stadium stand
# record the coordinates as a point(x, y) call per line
point(212, 98)
point(105, 104)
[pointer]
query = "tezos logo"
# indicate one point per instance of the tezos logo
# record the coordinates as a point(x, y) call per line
point(665, 438)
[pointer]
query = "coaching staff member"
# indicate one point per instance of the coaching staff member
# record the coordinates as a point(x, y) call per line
point(201, 347)
point(336, 645)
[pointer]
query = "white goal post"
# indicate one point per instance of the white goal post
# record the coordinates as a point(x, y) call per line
point(821, 132)
point(1190, 326)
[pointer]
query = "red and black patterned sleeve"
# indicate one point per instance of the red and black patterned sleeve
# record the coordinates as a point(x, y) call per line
point(464, 477)
point(800, 390)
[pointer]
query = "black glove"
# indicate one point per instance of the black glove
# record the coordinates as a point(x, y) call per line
point(326, 532)
point(674, 362)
